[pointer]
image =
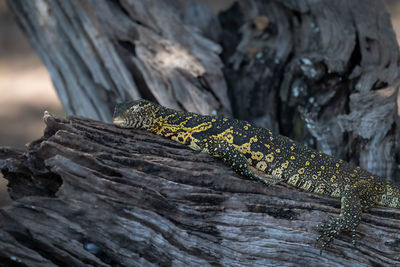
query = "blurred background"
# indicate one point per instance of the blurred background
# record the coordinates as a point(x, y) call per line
point(26, 90)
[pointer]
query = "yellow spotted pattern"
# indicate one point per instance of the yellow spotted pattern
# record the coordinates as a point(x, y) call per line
point(274, 154)
point(242, 145)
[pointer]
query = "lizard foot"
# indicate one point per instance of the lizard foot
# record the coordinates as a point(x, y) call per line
point(269, 180)
point(332, 228)
point(264, 178)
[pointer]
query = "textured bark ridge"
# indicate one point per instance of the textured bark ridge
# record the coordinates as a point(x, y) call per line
point(323, 72)
point(102, 52)
point(88, 193)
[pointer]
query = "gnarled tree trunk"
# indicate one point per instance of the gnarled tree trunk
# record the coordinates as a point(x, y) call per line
point(323, 72)
point(91, 193)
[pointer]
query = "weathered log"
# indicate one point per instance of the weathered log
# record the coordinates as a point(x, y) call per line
point(322, 72)
point(312, 70)
point(88, 193)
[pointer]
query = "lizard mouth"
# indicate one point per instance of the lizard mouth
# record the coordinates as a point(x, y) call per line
point(119, 121)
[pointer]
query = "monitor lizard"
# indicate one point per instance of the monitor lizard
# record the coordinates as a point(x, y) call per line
point(259, 154)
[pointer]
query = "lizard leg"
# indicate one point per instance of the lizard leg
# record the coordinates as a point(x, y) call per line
point(348, 220)
point(236, 160)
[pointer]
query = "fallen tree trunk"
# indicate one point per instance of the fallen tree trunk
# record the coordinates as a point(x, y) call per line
point(88, 193)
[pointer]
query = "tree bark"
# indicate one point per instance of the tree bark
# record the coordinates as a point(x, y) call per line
point(88, 193)
point(102, 52)
point(322, 72)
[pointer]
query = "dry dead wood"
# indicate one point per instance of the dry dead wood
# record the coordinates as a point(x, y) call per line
point(325, 73)
point(88, 193)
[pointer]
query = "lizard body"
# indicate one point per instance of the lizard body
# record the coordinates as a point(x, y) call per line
point(252, 150)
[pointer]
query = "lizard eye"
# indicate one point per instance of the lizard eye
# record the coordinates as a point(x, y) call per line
point(135, 108)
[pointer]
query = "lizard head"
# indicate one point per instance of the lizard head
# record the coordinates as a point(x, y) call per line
point(135, 114)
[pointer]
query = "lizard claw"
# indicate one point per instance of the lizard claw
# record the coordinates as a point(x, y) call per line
point(323, 226)
point(353, 236)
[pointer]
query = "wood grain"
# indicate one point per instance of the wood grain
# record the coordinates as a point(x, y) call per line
point(88, 193)
point(310, 70)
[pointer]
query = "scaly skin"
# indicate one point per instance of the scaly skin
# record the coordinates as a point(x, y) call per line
point(245, 147)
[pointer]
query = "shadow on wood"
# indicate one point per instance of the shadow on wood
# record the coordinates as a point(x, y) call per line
point(91, 193)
